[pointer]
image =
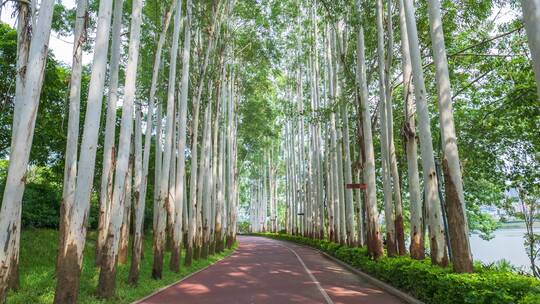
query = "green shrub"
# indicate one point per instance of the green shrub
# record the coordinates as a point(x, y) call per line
point(434, 284)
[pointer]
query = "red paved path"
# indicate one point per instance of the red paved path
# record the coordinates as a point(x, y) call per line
point(269, 271)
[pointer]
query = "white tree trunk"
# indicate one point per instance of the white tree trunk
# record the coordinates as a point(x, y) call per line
point(126, 218)
point(139, 200)
point(415, 198)
point(455, 200)
point(26, 108)
point(392, 159)
point(374, 241)
point(70, 260)
point(72, 140)
point(391, 244)
point(433, 204)
point(107, 276)
point(109, 151)
point(163, 197)
point(180, 188)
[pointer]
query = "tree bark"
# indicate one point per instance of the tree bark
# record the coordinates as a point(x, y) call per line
point(433, 204)
point(399, 225)
point(70, 260)
point(24, 120)
point(455, 199)
point(374, 241)
point(107, 276)
point(391, 244)
point(181, 163)
point(409, 133)
point(109, 150)
point(161, 217)
point(72, 140)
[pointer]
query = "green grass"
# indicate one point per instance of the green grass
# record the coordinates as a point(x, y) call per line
point(38, 282)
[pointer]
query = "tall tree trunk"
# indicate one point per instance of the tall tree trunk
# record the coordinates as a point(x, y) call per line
point(126, 218)
point(531, 18)
point(109, 151)
point(433, 204)
point(391, 244)
point(107, 276)
point(141, 197)
point(374, 241)
point(24, 120)
point(194, 207)
point(70, 259)
point(399, 225)
point(455, 199)
point(72, 140)
point(409, 133)
point(181, 162)
point(161, 217)
point(138, 206)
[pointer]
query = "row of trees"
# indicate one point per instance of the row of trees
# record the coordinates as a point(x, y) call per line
point(195, 137)
point(322, 155)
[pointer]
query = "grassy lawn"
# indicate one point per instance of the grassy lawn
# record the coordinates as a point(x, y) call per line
point(38, 282)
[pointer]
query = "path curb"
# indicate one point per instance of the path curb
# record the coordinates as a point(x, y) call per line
point(376, 282)
point(181, 280)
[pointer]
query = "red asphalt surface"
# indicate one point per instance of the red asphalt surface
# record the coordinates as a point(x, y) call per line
point(269, 271)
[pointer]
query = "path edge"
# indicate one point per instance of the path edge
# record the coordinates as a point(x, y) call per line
point(182, 279)
point(372, 280)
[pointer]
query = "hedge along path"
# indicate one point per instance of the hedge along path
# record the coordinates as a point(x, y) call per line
point(270, 271)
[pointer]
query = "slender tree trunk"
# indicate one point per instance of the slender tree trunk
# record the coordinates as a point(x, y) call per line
point(455, 199)
point(141, 197)
point(109, 150)
point(70, 259)
point(531, 18)
point(374, 241)
point(391, 243)
point(194, 207)
point(399, 225)
point(107, 276)
point(24, 119)
point(126, 218)
point(181, 163)
point(433, 204)
point(72, 141)
point(138, 207)
point(161, 217)
point(409, 133)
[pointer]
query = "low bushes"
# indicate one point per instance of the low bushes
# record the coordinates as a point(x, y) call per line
point(433, 284)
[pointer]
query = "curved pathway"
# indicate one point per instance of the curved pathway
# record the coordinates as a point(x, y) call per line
point(269, 271)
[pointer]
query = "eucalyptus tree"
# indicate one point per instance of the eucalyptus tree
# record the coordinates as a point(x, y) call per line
point(141, 198)
point(374, 241)
point(163, 186)
point(180, 188)
point(72, 139)
point(531, 18)
point(391, 243)
point(125, 227)
point(105, 196)
point(70, 258)
point(107, 276)
point(33, 52)
point(417, 250)
point(455, 199)
point(432, 201)
point(391, 153)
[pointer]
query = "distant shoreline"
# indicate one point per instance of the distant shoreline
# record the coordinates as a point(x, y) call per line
point(514, 225)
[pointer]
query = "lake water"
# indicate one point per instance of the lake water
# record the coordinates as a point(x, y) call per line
point(507, 244)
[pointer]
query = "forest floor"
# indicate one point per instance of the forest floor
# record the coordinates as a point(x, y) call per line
point(38, 260)
point(270, 271)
